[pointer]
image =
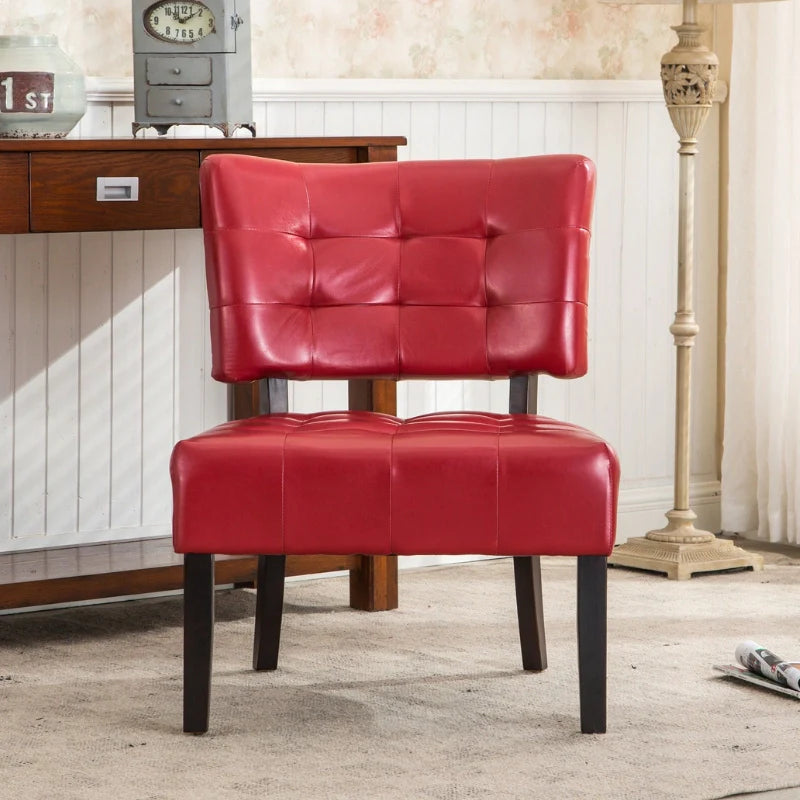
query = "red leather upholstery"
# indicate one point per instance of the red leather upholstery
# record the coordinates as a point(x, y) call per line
point(475, 268)
point(359, 482)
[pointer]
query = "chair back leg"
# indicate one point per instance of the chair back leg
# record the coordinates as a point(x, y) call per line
point(269, 611)
point(198, 639)
point(592, 600)
point(530, 614)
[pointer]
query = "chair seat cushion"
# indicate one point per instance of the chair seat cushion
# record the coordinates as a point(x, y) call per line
point(361, 482)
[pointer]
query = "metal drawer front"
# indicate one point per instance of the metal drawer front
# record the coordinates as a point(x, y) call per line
point(178, 71)
point(178, 103)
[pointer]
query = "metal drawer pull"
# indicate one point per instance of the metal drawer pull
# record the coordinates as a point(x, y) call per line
point(117, 189)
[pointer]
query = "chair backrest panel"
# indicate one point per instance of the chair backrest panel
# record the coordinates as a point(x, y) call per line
point(414, 269)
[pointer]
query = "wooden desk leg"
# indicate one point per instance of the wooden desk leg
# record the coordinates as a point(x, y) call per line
point(373, 586)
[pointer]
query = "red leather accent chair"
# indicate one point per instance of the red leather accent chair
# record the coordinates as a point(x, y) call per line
point(460, 269)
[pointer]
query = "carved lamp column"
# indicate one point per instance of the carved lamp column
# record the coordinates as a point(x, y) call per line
point(689, 75)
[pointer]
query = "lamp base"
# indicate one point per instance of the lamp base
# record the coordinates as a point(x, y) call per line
point(681, 560)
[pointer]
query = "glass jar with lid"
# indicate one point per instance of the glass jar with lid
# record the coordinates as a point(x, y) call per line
point(42, 90)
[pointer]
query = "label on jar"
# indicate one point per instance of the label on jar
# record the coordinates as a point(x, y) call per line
point(26, 92)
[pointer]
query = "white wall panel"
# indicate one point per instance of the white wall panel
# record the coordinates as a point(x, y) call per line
point(367, 118)
point(63, 389)
point(191, 378)
point(104, 352)
point(338, 119)
point(531, 127)
point(7, 386)
point(281, 119)
point(633, 277)
point(310, 117)
point(453, 120)
point(127, 285)
point(95, 382)
point(29, 467)
point(158, 401)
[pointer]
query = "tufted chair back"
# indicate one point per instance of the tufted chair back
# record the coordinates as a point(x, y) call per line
point(416, 269)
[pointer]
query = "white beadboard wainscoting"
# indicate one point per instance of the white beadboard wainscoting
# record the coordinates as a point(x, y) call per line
point(104, 354)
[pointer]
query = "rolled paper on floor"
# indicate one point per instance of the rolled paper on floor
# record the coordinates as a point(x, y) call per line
point(764, 662)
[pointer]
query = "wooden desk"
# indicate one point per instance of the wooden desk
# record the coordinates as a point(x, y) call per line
point(51, 185)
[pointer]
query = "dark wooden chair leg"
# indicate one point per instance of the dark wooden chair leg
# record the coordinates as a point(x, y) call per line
point(530, 614)
point(269, 611)
point(592, 594)
point(198, 639)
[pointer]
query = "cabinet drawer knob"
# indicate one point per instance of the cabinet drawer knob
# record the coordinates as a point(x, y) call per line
point(176, 70)
point(178, 101)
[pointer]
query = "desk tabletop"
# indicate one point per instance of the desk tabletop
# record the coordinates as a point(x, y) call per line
point(215, 143)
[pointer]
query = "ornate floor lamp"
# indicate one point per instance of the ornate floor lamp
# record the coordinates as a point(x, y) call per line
point(689, 74)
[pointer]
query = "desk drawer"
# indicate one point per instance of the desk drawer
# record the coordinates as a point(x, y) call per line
point(64, 191)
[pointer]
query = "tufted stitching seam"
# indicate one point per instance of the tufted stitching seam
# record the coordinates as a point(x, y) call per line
point(308, 202)
point(401, 239)
point(283, 489)
point(485, 270)
point(310, 238)
point(254, 229)
point(486, 200)
point(398, 305)
point(497, 497)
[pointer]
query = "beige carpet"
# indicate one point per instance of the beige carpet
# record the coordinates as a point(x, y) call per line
point(425, 702)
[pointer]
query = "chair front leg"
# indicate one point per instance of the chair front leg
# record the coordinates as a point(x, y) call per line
point(269, 611)
point(198, 639)
point(530, 613)
point(592, 600)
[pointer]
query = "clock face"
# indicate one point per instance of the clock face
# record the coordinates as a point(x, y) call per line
point(181, 23)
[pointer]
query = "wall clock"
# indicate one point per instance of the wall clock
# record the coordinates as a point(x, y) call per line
point(191, 64)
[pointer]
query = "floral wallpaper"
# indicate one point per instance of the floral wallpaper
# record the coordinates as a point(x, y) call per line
point(392, 38)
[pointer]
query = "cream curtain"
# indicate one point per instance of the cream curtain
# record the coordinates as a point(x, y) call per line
point(761, 456)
